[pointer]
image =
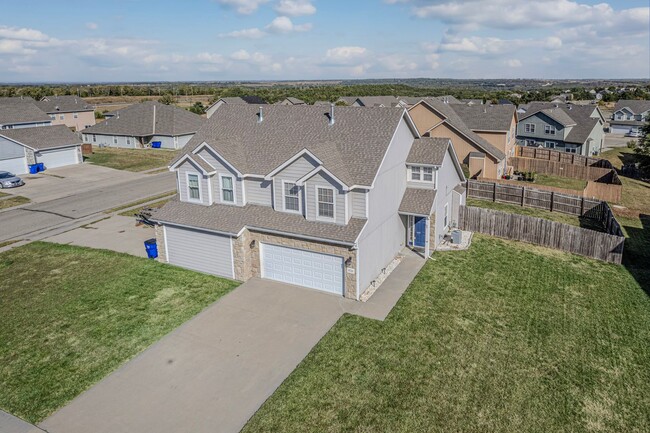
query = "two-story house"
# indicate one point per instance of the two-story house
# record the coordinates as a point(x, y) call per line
point(629, 116)
point(146, 124)
point(321, 197)
point(234, 100)
point(21, 112)
point(68, 110)
point(566, 127)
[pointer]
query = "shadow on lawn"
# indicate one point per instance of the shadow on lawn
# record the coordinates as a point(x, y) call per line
point(636, 255)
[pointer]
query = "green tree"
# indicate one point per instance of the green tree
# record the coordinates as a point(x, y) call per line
point(643, 145)
point(198, 108)
point(166, 99)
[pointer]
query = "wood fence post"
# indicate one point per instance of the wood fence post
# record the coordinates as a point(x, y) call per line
point(523, 195)
point(494, 192)
point(582, 206)
point(552, 199)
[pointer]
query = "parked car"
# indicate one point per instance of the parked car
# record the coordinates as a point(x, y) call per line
point(10, 180)
point(634, 133)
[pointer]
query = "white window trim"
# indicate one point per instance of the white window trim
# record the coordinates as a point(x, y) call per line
point(446, 216)
point(529, 128)
point(284, 203)
point(234, 189)
point(550, 129)
point(324, 218)
point(434, 177)
point(75, 115)
point(187, 186)
point(552, 144)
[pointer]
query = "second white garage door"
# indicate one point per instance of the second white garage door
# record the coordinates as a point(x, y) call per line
point(14, 165)
point(58, 157)
point(198, 250)
point(303, 268)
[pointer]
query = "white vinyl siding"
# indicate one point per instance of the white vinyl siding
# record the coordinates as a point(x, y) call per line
point(291, 173)
point(311, 199)
point(58, 157)
point(258, 191)
point(222, 169)
point(358, 203)
point(199, 250)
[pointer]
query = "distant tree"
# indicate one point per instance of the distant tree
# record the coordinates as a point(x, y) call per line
point(643, 145)
point(99, 115)
point(166, 99)
point(198, 108)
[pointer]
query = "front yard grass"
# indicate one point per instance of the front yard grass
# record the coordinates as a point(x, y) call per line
point(503, 337)
point(131, 159)
point(71, 315)
point(12, 201)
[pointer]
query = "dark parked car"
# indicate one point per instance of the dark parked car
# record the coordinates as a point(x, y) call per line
point(10, 180)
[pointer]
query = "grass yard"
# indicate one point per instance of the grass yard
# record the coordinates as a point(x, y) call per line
point(154, 205)
point(503, 337)
point(559, 182)
point(168, 195)
point(636, 194)
point(131, 159)
point(12, 201)
point(71, 315)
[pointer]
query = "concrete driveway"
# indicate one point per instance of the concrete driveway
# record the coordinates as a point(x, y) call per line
point(212, 373)
point(612, 141)
point(117, 233)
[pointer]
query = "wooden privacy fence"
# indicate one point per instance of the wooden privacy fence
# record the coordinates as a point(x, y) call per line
point(563, 157)
point(548, 200)
point(539, 231)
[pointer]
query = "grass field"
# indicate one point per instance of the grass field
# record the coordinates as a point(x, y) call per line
point(71, 315)
point(503, 337)
point(12, 201)
point(636, 194)
point(560, 182)
point(131, 159)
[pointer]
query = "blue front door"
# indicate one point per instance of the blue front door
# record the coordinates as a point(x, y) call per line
point(420, 231)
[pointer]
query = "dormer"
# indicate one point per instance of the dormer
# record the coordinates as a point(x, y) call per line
point(424, 161)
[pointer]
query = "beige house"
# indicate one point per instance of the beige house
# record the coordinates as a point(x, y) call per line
point(68, 110)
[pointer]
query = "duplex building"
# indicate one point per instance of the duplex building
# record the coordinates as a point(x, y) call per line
point(146, 124)
point(322, 197)
point(68, 110)
point(235, 100)
point(567, 127)
point(21, 112)
point(629, 116)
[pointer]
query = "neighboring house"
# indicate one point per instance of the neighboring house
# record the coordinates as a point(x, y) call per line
point(629, 115)
point(399, 101)
point(54, 146)
point(435, 118)
point(21, 112)
point(322, 103)
point(291, 101)
point(237, 100)
point(319, 197)
point(347, 100)
point(142, 125)
point(495, 123)
point(68, 110)
point(566, 127)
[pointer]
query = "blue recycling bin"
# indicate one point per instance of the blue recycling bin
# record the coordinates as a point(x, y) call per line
point(33, 169)
point(151, 247)
point(156, 144)
point(41, 166)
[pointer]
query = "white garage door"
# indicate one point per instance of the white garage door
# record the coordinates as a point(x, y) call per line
point(58, 157)
point(303, 268)
point(620, 129)
point(200, 251)
point(14, 165)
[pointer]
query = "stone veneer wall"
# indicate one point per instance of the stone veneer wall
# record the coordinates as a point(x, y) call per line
point(432, 233)
point(31, 158)
point(247, 259)
point(160, 243)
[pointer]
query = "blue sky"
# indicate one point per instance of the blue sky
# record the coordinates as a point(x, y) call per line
point(147, 40)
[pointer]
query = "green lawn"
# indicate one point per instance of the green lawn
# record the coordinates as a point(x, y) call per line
point(503, 337)
point(71, 315)
point(12, 201)
point(154, 205)
point(131, 159)
point(560, 182)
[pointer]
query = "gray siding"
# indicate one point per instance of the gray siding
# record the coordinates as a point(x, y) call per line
point(166, 141)
point(597, 136)
point(540, 120)
point(358, 203)
point(258, 191)
point(26, 125)
point(198, 250)
point(204, 182)
point(448, 179)
point(10, 150)
point(292, 173)
point(340, 198)
point(215, 180)
point(385, 234)
point(113, 141)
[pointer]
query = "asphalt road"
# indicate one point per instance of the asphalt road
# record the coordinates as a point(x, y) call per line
point(39, 217)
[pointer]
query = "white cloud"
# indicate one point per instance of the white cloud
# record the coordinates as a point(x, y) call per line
point(240, 55)
point(344, 55)
point(22, 34)
point(245, 7)
point(92, 26)
point(252, 33)
point(285, 25)
point(295, 8)
point(514, 63)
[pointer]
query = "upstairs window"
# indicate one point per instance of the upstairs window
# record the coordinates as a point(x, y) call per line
point(415, 173)
point(325, 199)
point(549, 129)
point(75, 115)
point(227, 189)
point(193, 188)
point(421, 174)
point(529, 127)
point(61, 116)
point(291, 197)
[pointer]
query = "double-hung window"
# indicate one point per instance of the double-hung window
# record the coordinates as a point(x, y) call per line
point(549, 129)
point(75, 115)
point(193, 189)
point(325, 202)
point(549, 144)
point(415, 173)
point(427, 174)
point(422, 174)
point(291, 197)
point(529, 127)
point(227, 189)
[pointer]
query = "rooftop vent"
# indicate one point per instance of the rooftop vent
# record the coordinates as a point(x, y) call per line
point(331, 122)
point(260, 115)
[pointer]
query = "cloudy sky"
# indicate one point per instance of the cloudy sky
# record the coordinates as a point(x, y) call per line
point(147, 40)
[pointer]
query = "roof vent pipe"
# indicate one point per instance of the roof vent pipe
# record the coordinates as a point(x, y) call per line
point(331, 122)
point(260, 115)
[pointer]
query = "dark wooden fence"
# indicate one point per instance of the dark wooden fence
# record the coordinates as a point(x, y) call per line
point(539, 231)
point(563, 157)
point(547, 200)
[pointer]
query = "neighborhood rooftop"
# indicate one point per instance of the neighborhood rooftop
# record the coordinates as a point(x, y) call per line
point(45, 137)
point(63, 104)
point(636, 105)
point(428, 150)
point(21, 110)
point(417, 201)
point(149, 118)
point(486, 117)
point(351, 148)
point(578, 117)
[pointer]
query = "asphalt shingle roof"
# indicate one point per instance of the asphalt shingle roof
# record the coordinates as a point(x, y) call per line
point(352, 148)
point(417, 201)
point(578, 117)
point(636, 105)
point(138, 120)
point(486, 117)
point(231, 219)
point(44, 137)
point(63, 104)
point(428, 150)
point(21, 110)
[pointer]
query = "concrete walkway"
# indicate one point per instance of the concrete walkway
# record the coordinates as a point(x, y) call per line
point(12, 424)
point(214, 372)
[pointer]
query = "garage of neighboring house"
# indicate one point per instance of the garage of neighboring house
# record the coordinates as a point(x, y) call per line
point(54, 146)
point(303, 268)
point(199, 250)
